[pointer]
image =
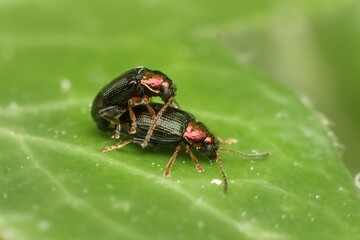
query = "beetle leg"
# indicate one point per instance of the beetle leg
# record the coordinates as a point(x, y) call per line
point(153, 124)
point(132, 102)
point(194, 159)
point(117, 146)
point(133, 121)
point(151, 111)
point(109, 113)
point(172, 160)
point(117, 132)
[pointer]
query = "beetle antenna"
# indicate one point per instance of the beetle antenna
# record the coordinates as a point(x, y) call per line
point(222, 171)
point(250, 155)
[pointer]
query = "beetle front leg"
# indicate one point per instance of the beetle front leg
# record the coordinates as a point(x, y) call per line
point(194, 159)
point(133, 121)
point(151, 111)
point(132, 102)
point(136, 101)
point(172, 160)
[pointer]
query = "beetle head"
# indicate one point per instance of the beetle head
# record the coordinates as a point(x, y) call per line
point(199, 137)
point(157, 83)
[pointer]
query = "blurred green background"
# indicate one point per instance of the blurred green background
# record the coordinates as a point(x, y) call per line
point(314, 48)
point(230, 61)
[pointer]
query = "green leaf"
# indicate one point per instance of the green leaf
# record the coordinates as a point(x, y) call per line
point(56, 184)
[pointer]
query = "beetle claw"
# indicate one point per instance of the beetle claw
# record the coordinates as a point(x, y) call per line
point(132, 131)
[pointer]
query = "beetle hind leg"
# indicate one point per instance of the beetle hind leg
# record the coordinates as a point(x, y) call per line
point(117, 146)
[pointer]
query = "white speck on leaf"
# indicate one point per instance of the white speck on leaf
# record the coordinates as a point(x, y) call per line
point(65, 85)
point(216, 181)
point(311, 217)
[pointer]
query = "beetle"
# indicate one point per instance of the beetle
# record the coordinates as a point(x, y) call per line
point(176, 127)
point(133, 87)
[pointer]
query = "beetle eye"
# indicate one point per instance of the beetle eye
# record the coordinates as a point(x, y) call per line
point(210, 151)
point(166, 93)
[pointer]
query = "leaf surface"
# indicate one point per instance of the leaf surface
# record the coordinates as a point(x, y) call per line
point(56, 184)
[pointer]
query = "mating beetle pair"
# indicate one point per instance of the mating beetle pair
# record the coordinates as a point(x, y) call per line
point(131, 88)
point(124, 104)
